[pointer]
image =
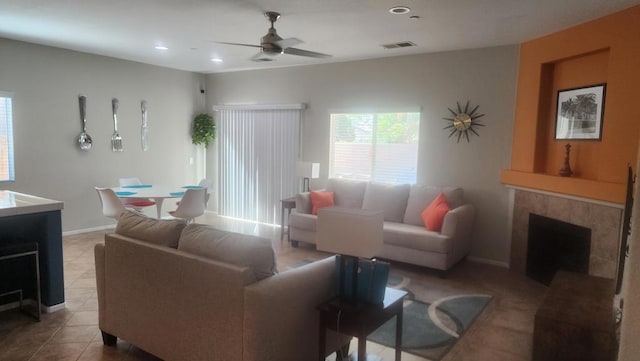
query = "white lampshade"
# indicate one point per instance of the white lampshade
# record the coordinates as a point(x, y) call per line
point(308, 170)
point(350, 231)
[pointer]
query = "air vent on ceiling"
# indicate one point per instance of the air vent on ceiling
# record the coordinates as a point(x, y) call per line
point(402, 44)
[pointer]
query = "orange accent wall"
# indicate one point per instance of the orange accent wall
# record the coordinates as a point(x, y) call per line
point(606, 50)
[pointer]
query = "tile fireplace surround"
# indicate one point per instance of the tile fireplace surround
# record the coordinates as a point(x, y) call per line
point(603, 219)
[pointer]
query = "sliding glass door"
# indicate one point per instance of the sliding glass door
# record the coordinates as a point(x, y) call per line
point(257, 153)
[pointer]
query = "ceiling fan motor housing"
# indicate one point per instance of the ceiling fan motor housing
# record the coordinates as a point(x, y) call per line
point(268, 42)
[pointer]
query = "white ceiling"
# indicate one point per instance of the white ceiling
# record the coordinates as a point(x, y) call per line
point(347, 29)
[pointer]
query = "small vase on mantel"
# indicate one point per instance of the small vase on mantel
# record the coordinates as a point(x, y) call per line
point(565, 171)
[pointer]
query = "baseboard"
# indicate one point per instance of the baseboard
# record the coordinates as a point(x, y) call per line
point(54, 308)
point(30, 302)
point(112, 226)
point(489, 261)
point(87, 230)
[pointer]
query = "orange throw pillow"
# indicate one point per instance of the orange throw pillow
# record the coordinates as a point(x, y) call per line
point(320, 200)
point(433, 215)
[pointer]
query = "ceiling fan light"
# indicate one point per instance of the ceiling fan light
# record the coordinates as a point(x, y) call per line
point(399, 10)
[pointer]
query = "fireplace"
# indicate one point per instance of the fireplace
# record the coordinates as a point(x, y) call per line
point(556, 245)
point(603, 219)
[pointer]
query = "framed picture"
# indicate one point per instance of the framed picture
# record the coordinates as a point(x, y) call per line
point(580, 112)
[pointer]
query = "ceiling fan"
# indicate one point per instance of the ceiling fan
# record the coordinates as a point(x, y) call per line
point(272, 44)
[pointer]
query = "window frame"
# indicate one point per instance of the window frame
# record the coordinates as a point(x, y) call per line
point(10, 138)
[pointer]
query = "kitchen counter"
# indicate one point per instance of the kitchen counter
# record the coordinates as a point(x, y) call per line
point(30, 218)
point(14, 203)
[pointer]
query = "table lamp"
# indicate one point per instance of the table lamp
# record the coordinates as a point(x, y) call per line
point(352, 233)
point(307, 170)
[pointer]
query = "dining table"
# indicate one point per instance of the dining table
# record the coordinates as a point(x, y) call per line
point(156, 193)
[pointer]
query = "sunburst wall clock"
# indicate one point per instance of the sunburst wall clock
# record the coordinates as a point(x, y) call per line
point(463, 121)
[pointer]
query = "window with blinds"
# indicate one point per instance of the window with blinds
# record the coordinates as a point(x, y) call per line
point(6, 137)
point(379, 147)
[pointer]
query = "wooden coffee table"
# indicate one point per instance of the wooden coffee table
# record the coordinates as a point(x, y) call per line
point(360, 320)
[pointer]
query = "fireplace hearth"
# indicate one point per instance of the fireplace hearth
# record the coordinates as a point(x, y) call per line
point(556, 245)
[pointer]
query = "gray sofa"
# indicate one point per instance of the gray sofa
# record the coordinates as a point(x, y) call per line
point(406, 238)
point(198, 293)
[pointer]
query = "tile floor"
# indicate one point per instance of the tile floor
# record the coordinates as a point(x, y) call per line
point(502, 332)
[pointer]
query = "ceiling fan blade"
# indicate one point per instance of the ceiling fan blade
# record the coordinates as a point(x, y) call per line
point(262, 57)
point(251, 45)
point(295, 51)
point(287, 43)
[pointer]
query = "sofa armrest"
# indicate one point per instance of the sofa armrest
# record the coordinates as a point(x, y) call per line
point(98, 252)
point(303, 203)
point(281, 320)
point(458, 224)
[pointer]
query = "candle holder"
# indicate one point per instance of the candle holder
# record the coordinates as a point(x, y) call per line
point(565, 171)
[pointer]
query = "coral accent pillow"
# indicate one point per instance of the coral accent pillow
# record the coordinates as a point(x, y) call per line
point(433, 215)
point(320, 200)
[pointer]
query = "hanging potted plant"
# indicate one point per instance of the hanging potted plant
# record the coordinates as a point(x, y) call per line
point(204, 130)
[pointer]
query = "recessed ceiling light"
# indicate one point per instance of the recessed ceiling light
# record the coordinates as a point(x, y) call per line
point(399, 10)
point(160, 47)
point(216, 60)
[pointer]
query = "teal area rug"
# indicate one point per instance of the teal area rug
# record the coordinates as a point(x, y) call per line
point(430, 330)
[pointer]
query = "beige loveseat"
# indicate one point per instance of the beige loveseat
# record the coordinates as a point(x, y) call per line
point(406, 238)
point(217, 296)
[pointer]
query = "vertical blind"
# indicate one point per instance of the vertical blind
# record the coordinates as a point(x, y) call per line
point(257, 153)
point(6, 137)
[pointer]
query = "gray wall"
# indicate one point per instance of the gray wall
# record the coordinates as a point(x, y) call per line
point(432, 81)
point(47, 81)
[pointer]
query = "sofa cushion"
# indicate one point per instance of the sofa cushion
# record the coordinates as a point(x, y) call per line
point(420, 196)
point(320, 200)
point(433, 215)
point(391, 199)
point(416, 237)
point(158, 231)
point(348, 193)
point(239, 249)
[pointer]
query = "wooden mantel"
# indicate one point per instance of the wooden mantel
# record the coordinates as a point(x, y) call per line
point(580, 187)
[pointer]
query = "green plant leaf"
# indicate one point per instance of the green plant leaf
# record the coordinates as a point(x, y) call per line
point(204, 130)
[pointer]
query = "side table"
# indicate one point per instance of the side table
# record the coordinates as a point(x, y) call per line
point(288, 204)
point(360, 320)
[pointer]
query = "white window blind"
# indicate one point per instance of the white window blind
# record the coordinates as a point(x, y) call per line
point(380, 147)
point(257, 153)
point(6, 137)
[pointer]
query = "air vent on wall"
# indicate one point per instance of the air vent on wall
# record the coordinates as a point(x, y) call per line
point(402, 44)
